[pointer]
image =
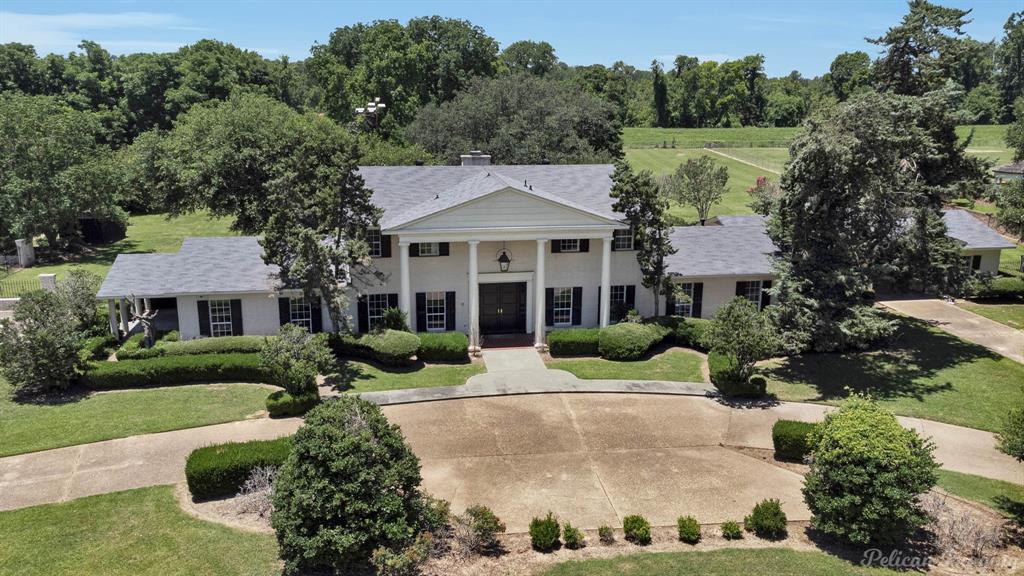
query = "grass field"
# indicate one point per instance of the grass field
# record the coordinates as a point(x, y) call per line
point(148, 233)
point(356, 377)
point(134, 533)
point(1005, 497)
point(27, 427)
point(674, 365)
point(776, 561)
point(1010, 314)
point(925, 373)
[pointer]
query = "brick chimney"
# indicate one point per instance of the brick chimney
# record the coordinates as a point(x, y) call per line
point(476, 158)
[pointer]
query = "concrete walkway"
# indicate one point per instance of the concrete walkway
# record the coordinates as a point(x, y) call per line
point(971, 327)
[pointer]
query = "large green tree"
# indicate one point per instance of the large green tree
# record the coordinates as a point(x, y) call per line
point(527, 56)
point(698, 182)
point(1011, 62)
point(849, 73)
point(520, 119)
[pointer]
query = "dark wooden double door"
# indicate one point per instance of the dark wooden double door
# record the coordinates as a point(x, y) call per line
point(503, 308)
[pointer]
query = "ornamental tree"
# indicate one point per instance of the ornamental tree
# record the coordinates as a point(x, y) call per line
point(39, 348)
point(741, 332)
point(699, 182)
point(295, 357)
point(867, 474)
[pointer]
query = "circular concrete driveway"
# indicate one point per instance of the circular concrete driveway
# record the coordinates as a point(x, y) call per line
point(594, 458)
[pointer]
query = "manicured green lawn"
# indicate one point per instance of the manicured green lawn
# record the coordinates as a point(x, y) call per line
point(1005, 497)
point(674, 365)
point(773, 159)
point(730, 562)
point(134, 533)
point(147, 233)
point(924, 372)
point(26, 427)
point(699, 137)
point(1010, 314)
point(1009, 260)
point(356, 377)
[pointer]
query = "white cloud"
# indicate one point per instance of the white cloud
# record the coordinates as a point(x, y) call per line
point(61, 33)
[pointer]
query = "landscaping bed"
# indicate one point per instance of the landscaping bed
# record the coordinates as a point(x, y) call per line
point(675, 365)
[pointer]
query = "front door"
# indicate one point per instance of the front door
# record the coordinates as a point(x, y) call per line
point(503, 308)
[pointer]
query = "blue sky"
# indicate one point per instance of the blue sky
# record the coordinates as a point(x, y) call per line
point(793, 35)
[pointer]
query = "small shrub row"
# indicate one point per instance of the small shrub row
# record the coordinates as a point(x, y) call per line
point(173, 370)
point(219, 345)
point(443, 347)
point(574, 342)
point(477, 530)
point(725, 375)
point(689, 529)
point(97, 348)
point(629, 340)
point(685, 332)
point(767, 520)
point(390, 347)
point(637, 529)
point(1002, 287)
point(281, 404)
point(221, 470)
point(790, 438)
point(731, 530)
point(544, 533)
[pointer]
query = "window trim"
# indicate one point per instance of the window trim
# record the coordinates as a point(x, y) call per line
point(374, 320)
point(220, 309)
point(619, 235)
point(685, 288)
point(431, 300)
point(375, 238)
point(300, 313)
point(566, 307)
point(435, 247)
point(756, 294)
point(562, 245)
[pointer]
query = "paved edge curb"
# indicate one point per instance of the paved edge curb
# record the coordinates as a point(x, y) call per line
point(467, 391)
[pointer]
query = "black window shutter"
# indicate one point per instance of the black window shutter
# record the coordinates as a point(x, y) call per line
point(449, 311)
point(385, 246)
point(393, 300)
point(585, 245)
point(670, 303)
point(414, 249)
point(204, 318)
point(599, 303)
point(556, 247)
point(577, 305)
point(236, 318)
point(698, 298)
point(549, 306)
point(421, 311)
point(766, 298)
point(631, 296)
point(316, 316)
point(976, 262)
point(362, 315)
point(741, 288)
point(442, 249)
point(284, 312)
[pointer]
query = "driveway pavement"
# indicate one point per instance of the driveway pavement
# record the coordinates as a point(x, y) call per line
point(967, 325)
point(591, 458)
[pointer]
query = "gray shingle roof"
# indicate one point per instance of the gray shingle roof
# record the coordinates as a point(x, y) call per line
point(407, 193)
point(721, 251)
point(746, 220)
point(972, 232)
point(202, 266)
point(1013, 168)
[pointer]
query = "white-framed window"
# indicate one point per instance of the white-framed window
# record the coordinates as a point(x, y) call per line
point(376, 304)
point(429, 249)
point(374, 240)
point(618, 295)
point(300, 313)
point(562, 314)
point(622, 239)
point(220, 318)
point(571, 245)
point(685, 308)
point(753, 292)
point(437, 311)
point(965, 264)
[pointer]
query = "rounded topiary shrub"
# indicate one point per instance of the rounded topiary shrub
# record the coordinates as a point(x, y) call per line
point(349, 486)
point(689, 529)
point(629, 340)
point(790, 438)
point(574, 342)
point(637, 529)
point(767, 520)
point(544, 533)
point(867, 475)
point(443, 347)
point(689, 333)
point(281, 404)
point(392, 347)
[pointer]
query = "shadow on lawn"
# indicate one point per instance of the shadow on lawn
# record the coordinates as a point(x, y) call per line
point(349, 373)
point(916, 353)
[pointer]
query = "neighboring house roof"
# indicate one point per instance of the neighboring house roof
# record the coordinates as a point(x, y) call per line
point(975, 235)
point(747, 220)
point(203, 266)
point(707, 251)
point(1014, 168)
point(408, 193)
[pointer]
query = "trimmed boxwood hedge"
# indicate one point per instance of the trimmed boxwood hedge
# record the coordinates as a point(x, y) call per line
point(221, 470)
point(790, 438)
point(281, 404)
point(97, 348)
point(1003, 287)
point(390, 347)
point(172, 370)
point(219, 345)
point(443, 347)
point(574, 342)
point(628, 340)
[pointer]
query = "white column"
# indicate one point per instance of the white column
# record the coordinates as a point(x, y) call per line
point(474, 297)
point(125, 318)
point(147, 303)
point(112, 316)
point(404, 297)
point(538, 291)
point(606, 281)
